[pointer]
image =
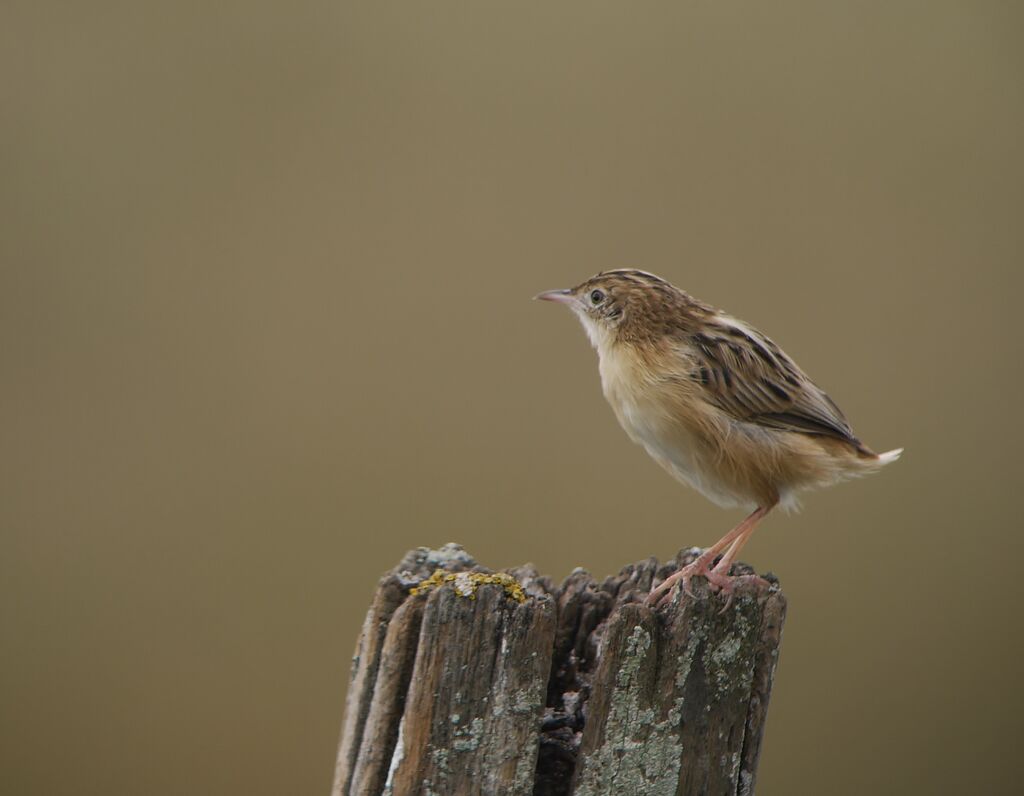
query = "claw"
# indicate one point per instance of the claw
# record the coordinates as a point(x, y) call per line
point(727, 584)
point(661, 594)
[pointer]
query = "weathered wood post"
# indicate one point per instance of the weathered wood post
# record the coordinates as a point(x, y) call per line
point(467, 681)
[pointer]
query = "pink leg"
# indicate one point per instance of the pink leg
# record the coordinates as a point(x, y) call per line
point(719, 576)
point(702, 565)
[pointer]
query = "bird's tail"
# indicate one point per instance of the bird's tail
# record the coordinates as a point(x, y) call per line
point(890, 456)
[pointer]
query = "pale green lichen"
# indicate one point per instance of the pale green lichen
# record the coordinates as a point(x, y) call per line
point(526, 700)
point(467, 739)
point(641, 754)
point(521, 702)
point(726, 666)
point(439, 757)
point(716, 663)
point(631, 763)
point(526, 765)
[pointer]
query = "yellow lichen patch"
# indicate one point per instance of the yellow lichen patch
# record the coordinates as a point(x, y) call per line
point(466, 583)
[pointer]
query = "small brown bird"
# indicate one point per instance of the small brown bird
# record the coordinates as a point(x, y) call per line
point(714, 402)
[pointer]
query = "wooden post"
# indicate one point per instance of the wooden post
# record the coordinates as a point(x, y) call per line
point(467, 681)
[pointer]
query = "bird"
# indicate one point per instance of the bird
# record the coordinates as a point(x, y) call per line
point(717, 404)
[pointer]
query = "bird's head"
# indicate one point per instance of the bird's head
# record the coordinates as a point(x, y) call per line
point(625, 303)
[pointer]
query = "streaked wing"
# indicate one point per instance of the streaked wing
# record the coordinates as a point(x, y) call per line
point(751, 378)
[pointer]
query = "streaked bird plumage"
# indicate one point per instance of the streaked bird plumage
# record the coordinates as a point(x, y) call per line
point(714, 401)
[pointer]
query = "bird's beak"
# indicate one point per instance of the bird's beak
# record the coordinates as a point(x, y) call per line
point(561, 296)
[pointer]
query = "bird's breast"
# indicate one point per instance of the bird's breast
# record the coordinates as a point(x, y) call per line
point(648, 397)
point(651, 415)
point(662, 412)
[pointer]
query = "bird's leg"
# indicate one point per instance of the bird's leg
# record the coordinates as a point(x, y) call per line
point(702, 566)
point(719, 576)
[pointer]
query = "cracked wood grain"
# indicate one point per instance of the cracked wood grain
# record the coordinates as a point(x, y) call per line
point(577, 689)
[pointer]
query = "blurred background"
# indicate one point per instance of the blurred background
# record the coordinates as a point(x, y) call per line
point(265, 280)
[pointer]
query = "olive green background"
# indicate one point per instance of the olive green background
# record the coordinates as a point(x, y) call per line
point(265, 324)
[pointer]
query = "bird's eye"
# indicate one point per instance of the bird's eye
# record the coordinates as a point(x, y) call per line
point(596, 296)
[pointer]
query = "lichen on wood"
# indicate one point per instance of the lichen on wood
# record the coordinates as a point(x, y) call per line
point(470, 681)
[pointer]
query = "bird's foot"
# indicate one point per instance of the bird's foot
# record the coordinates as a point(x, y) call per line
point(726, 584)
point(663, 592)
point(718, 581)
